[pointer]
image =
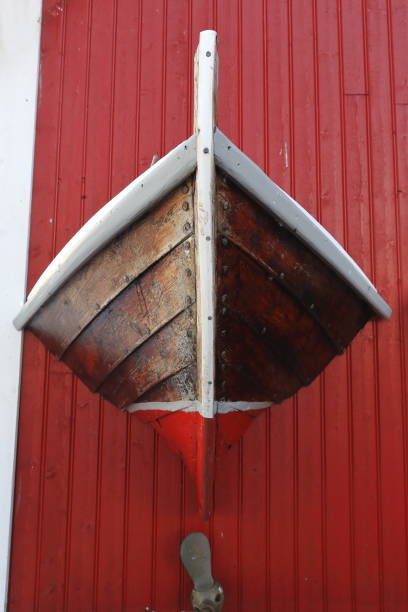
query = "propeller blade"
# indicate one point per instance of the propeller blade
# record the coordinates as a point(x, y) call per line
point(195, 554)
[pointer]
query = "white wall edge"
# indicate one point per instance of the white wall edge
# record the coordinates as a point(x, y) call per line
point(20, 26)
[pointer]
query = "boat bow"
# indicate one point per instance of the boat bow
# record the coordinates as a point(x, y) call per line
point(201, 294)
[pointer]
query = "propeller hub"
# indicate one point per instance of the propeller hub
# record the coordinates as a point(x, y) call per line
point(211, 600)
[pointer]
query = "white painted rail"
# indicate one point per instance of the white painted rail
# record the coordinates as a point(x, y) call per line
point(277, 202)
point(205, 94)
point(125, 208)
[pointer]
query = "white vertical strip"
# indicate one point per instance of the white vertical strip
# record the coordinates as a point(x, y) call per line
point(206, 85)
point(19, 53)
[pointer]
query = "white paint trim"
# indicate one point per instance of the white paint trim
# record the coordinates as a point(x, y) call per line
point(224, 407)
point(177, 406)
point(125, 208)
point(19, 59)
point(206, 85)
point(253, 180)
point(196, 406)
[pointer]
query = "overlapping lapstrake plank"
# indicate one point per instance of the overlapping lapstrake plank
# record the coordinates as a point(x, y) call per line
point(283, 314)
point(99, 281)
point(149, 303)
point(160, 366)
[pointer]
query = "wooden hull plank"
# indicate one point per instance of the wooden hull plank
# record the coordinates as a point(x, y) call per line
point(98, 282)
point(247, 369)
point(277, 322)
point(179, 386)
point(145, 306)
point(170, 350)
point(292, 215)
point(328, 299)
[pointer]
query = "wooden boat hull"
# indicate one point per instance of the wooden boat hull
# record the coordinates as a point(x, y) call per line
point(198, 304)
point(126, 322)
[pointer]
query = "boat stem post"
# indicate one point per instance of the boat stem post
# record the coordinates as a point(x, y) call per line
point(204, 124)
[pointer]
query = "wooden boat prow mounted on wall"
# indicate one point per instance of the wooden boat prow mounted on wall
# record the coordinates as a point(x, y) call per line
point(201, 294)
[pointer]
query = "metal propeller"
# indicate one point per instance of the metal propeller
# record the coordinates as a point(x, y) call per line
point(195, 553)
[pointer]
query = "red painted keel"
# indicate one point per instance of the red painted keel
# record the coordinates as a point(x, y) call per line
point(200, 442)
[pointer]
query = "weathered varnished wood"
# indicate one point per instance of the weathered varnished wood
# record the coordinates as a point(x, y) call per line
point(97, 283)
point(282, 314)
point(247, 367)
point(330, 301)
point(274, 317)
point(179, 386)
point(167, 352)
point(146, 305)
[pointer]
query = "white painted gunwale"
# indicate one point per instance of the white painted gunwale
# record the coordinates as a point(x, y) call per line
point(125, 208)
point(140, 195)
point(256, 183)
point(204, 221)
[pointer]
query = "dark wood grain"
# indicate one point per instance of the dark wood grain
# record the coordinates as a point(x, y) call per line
point(330, 301)
point(145, 306)
point(167, 352)
point(99, 281)
point(248, 369)
point(271, 321)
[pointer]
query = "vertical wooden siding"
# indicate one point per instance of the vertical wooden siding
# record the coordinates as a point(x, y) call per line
point(311, 507)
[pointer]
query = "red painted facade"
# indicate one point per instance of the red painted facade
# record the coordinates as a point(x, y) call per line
point(311, 506)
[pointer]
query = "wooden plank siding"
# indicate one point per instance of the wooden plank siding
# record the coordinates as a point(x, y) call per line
point(311, 506)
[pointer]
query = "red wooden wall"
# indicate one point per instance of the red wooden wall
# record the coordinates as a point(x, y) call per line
point(311, 507)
